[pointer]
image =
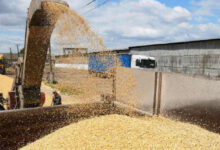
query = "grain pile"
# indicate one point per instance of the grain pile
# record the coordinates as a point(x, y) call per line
point(122, 132)
point(5, 85)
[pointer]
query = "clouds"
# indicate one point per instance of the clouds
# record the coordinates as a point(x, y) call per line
point(123, 23)
point(11, 7)
point(137, 18)
point(13, 19)
point(148, 21)
point(207, 7)
point(13, 13)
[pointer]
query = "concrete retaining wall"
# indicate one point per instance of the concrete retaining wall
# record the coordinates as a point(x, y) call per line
point(179, 91)
point(190, 99)
point(136, 87)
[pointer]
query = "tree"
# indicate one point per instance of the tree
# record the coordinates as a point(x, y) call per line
point(22, 51)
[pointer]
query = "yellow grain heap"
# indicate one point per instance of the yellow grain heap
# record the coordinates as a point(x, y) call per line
point(122, 132)
point(5, 85)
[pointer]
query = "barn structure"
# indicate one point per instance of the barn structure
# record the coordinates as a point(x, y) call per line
point(201, 58)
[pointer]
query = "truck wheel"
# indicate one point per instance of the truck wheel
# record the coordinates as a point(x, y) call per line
point(3, 72)
point(1, 108)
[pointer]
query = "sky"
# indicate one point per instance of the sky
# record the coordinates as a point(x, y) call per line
point(124, 23)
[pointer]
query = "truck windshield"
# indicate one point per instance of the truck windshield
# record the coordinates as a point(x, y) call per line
point(148, 63)
point(138, 62)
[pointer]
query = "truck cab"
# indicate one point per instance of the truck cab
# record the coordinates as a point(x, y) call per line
point(143, 62)
point(2, 64)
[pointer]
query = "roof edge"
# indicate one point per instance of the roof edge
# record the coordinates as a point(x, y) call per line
point(173, 43)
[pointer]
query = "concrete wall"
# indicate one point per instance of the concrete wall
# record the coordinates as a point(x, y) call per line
point(179, 91)
point(135, 87)
point(74, 66)
point(191, 99)
point(194, 58)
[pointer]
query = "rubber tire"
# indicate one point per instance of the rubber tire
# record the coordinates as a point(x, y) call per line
point(2, 108)
point(4, 72)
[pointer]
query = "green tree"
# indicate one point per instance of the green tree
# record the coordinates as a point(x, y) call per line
point(22, 51)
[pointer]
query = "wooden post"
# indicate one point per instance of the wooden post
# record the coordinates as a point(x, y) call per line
point(159, 93)
point(155, 93)
point(114, 76)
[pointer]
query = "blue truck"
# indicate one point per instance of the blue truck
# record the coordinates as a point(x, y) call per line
point(103, 63)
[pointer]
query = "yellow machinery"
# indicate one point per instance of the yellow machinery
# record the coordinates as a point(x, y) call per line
point(2, 64)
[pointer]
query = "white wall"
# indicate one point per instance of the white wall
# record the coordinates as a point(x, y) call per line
point(74, 66)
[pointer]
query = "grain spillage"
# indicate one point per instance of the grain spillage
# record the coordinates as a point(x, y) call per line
point(5, 85)
point(122, 132)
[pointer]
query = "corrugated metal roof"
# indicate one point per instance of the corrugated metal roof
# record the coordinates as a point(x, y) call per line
point(125, 50)
point(175, 43)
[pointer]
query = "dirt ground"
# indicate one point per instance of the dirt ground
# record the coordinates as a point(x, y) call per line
point(74, 86)
point(77, 86)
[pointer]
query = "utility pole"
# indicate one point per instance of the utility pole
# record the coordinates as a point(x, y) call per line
point(18, 50)
point(51, 74)
point(10, 56)
point(114, 76)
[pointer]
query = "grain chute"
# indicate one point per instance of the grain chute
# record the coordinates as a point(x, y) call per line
point(26, 90)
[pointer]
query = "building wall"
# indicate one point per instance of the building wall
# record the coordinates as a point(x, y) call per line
point(194, 58)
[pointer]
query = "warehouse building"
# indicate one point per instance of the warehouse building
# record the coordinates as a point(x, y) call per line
point(201, 58)
point(121, 51)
